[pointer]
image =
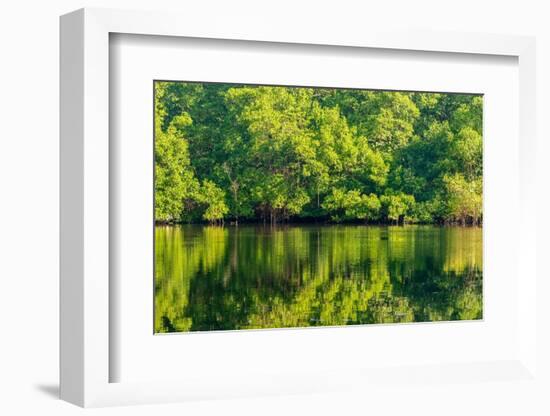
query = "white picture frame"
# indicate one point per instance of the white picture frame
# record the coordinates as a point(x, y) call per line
point(85, 220)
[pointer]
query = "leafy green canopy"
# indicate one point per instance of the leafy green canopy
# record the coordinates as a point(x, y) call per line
point(259, 153)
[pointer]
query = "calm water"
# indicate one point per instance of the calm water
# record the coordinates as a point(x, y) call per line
point(214, 278)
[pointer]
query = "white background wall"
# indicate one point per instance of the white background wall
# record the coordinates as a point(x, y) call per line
point(29, 57)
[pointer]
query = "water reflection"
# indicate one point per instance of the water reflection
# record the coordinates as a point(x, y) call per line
point(214, 278)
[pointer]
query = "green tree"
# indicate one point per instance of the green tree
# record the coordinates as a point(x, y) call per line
point(467, 150)
point(175, 182)
point(397, 208)
point(464, 201)
point(347, 205)
point(276, 154)
point(364, 207)
point(277, 144)
point(213, 198)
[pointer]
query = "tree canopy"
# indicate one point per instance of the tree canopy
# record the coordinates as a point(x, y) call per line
point(226, 152)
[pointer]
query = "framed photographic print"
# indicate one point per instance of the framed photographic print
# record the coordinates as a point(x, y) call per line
point(269, 213)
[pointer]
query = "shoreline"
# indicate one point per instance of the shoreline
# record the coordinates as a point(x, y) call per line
point(314, 224)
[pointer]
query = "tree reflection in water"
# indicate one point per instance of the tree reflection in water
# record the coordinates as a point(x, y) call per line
point(216, 278)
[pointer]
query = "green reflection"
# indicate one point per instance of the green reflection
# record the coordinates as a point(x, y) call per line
point(213, 278)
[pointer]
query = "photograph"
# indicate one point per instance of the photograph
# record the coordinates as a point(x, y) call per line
point(296, 206)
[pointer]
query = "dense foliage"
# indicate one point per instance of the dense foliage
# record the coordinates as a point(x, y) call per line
point(227, 152)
